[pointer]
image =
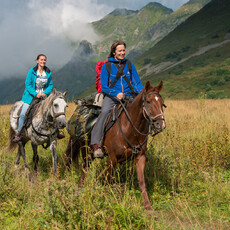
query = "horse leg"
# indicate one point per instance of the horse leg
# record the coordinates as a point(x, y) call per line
point(140, 167)
point(17, 158)
point(85, 163)
point(21, 149)
point(84, 168)
point(54, 154)
point(35, 156)
point(68, 153)
point(72, 152)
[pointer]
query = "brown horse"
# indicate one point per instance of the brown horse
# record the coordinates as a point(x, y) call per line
point(127, 138)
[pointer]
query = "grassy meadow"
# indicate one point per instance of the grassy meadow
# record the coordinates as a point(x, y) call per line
point(187, 176)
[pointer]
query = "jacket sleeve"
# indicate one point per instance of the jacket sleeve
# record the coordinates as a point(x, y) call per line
point(105, 82)
point(49, 87)
point(29, 84)
point(136, 82)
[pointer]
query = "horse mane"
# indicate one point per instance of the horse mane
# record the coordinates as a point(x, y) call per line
point(45, 104)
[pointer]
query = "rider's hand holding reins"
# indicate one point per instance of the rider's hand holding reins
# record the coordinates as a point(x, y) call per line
point(120, 96)
point(40, 95)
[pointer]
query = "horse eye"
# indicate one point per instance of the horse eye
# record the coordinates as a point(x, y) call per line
point(55, 105)
point(148, 102)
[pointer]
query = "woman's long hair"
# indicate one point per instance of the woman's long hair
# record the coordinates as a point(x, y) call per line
point(114, 46)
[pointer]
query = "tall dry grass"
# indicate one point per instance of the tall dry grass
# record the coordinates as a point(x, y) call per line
point(187, 176)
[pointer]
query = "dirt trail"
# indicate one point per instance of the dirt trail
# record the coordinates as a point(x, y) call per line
point(167, 65)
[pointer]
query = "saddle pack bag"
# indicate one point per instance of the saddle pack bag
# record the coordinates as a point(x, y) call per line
point(83, 119)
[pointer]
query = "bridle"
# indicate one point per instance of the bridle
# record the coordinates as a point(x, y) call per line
point(149, 119)
point(55, 115)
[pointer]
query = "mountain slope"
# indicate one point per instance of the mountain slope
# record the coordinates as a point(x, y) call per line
point(131, 27)
point(124, 24)
point(194, 59)
point(141, 30)
point(77, 74)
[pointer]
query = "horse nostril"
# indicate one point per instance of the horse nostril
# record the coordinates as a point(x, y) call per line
point(157, 125)
point(62, 124)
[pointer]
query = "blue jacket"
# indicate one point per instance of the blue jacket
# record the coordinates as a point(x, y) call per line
point(29, 92)
point(121, 86)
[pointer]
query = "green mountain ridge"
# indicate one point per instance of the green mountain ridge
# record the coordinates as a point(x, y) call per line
point(132, 28)
point(142, 31)
point(122, 12)
point(110, 23)
point(193, 60)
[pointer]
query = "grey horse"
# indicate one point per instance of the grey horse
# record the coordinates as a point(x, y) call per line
point(48, 117)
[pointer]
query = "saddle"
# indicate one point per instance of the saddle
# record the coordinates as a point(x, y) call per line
point(30, 112)
point(115, 113)
point(85, 116)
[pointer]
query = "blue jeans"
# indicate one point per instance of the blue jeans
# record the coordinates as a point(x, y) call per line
point(22, 116)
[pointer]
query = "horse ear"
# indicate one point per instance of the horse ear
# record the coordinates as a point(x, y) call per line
point(65, 93)
point(54, 91)
point(160, 86)
point(147, 85)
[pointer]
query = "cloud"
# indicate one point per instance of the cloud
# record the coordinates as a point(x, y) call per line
point(49, 27)
point(31, 27)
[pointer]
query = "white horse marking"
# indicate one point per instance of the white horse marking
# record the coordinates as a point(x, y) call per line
point(156, 98)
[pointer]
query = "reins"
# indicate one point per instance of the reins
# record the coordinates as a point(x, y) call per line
point(49, 122)
point(149, 119)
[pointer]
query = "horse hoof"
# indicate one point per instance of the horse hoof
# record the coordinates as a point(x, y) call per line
point(16, 167)
point(34, 178)
point(152, 212)
point(27, 172)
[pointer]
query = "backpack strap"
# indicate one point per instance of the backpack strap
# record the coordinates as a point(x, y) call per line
point(108, 68)
point(120, 73)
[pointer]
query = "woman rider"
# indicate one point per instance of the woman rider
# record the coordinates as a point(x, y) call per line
point(114, 90)
point(38, 84)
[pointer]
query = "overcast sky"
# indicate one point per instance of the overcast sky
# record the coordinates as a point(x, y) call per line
point(31, 27)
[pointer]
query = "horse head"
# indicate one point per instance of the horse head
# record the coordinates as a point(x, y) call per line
point(58, 108)
point(153, 105)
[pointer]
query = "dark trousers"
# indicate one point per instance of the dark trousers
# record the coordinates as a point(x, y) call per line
point(99, 127)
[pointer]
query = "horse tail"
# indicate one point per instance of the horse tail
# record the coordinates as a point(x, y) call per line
point(72, 152)
point(11, 145)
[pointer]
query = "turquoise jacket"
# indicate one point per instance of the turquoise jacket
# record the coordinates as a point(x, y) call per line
point(30, 92)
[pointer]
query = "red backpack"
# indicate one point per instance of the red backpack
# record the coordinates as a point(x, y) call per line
point(98, 75)
point(108, 67)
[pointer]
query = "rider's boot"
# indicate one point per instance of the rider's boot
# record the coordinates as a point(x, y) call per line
point(59, 135)
point(97, 151)
point(18, 137)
